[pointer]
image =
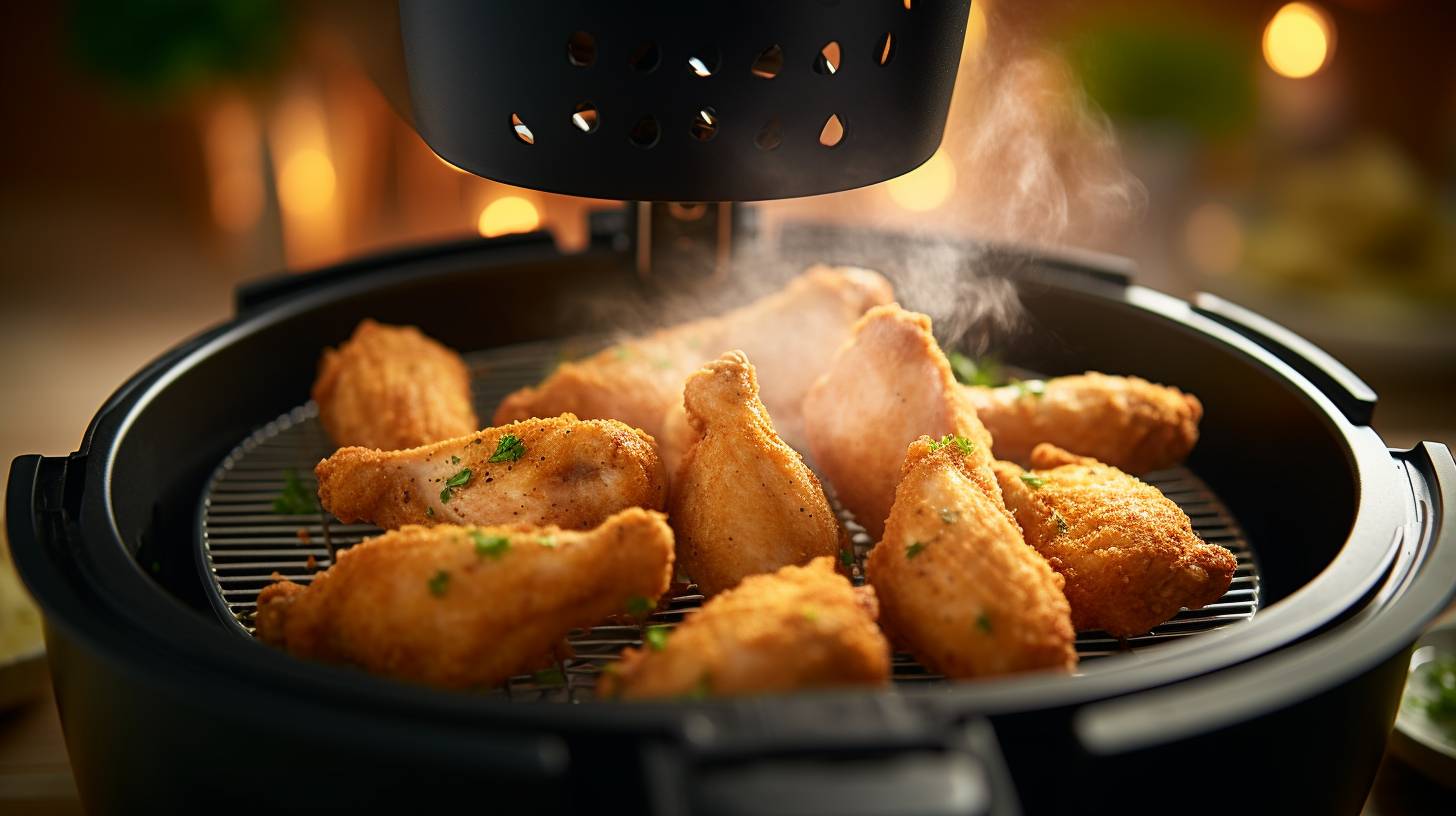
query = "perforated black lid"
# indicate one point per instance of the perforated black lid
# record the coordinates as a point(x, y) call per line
point(683, 101)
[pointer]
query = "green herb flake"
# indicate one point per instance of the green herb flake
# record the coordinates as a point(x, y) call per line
point(1061, 523)
point(702, 689)
point(454, 460)
point(964, 445)
point(914, 549)
point(549, 677)
point(445, 495)
point(948, 515)
point(549, 542)
point(429, 512)
point(1030, 388)
point(438, 583)
point(656, 637)
point(1432, 689)
point(460, 479)
point(295, 500)
point(489, 546)
point(968, 371)
point(639, 606)
point(811, 615)
point(983, 622)
point(846, 557)
point(1032, 481)
point(509, 449)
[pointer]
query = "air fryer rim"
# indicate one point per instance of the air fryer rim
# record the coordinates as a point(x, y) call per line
point(105, 578)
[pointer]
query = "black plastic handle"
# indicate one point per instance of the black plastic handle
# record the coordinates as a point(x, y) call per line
point(1349, 393)
point(37, 485)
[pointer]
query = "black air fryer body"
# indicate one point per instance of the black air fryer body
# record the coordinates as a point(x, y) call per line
point(168, 710)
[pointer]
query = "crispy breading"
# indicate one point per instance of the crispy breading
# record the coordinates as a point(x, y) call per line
point(797, 628)
point(957, 584)
point(1129, 555)
point(564, 471)
point(468, 606)
point(742, 502)
point(1126, 422)
point(888, 385)
point(392, 388)
point(791, 335)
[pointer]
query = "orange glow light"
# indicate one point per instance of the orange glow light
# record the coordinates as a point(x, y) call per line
point(927, 186)
point(507, 215)
point(306, 184)
point(1298, 40)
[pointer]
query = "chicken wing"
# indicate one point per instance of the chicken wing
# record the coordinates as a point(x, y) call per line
point(1126, 422)
point(562, 471)
point(743, 502)
point(791, 335)
point(798, 628)
point(957, 584)
point(468, 606)
point(887, 386)
point(1129, 555)
point(391, 388)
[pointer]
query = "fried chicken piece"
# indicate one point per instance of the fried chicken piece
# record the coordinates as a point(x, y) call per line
point(1125, 422)
point(888, 385)
point(957, 584)
point(743, 502)
point(391, 388)
point(798, 628)
point(1129, 555)
point(467, 606)
point(791, 335)
point(562, 471)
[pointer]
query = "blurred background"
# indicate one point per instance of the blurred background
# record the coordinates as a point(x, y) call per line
point(1297, 158)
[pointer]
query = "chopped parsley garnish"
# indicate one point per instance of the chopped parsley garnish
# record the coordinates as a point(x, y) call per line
point(963, 444)
point(460, 479)
point(983, 622)
point(947, 515)
point(454, 460)
point(491, 546)
point(1030, 388)
point(1061, 523)
point(914, 549)
point(429, 512)
point(549, 677)
point(638, 606)
point(548, 542)
point(295, 500)
point(438, 583)
point(656, 637)
point(508, 449)
point(846, 557)
point(1433, 690)
point(968, 371)
point(1033, 482)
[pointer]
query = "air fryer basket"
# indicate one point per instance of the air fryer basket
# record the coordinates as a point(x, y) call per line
point(1354, 556)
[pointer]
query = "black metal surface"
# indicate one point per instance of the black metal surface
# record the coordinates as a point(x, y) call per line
point(474, 66)
point(141, 661)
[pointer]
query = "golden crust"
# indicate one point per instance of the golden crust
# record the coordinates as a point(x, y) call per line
point(887, 386)
point(1129, 555)
point(391, 388)
point(573, 473)
point(957, 584)
point(1126, 422)
point(791, 335)
point(497, 613)
point(743, 502)
point(797, 628)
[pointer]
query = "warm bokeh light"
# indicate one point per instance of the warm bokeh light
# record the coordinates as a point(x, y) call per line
point(232, 147)
point(975, 30)
point(1298, 40)
point(1213, 238)
point(306, 182)
point(927, 186)
point(507, 215)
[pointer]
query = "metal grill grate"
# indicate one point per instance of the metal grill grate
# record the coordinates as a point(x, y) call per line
point(244, 542)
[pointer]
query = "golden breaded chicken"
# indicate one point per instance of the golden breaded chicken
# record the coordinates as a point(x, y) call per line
point(467, 606)
point(391, 388)
point(798, 628)
point(889, 385)
point(1125, 422)
point(957, 584)
point(564, 471)
point(742, 502)
point(1129, 555)
point(791, 335)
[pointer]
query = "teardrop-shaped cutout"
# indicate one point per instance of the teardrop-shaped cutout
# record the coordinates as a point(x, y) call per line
point(827, 61)
point(705, 124)
point(770, 136)
point(585, 117)
point(581, 49)
point(833, 133)
point(885, 51)
point(645, 133)
point(644, 57)
point(523, 133)
point(768, 63)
